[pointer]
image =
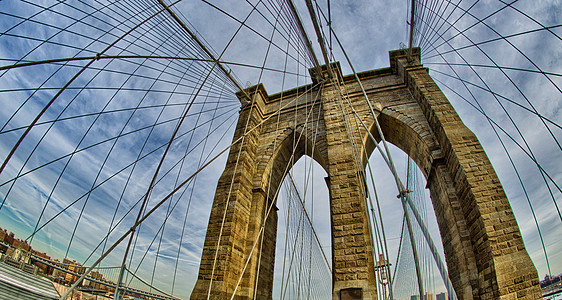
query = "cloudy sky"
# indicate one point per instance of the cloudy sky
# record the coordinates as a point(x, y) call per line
point(93, 152)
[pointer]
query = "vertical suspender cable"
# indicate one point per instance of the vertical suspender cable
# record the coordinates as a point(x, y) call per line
point(390, 163)
point(411, 42)
point(305, 36)
point(411, 233)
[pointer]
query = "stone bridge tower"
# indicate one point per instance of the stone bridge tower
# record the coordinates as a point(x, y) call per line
point(484, 251)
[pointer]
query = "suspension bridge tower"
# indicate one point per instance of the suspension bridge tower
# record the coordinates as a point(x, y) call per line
point(485, 255)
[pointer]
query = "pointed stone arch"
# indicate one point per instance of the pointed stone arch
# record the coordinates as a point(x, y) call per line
point(485, 254)
point(286, 150)
point(405, 126)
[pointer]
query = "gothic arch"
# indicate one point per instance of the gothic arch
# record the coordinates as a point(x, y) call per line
point(411, 133)
point(485, 254)
point(288, 147)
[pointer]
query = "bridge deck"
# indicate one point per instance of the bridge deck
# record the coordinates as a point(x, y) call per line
point(18, 284)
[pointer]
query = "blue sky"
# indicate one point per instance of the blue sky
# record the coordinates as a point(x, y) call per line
point(161, 90)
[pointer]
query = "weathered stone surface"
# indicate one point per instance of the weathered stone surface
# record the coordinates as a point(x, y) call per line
point(485, 254)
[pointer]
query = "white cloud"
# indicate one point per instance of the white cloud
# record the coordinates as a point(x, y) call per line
point(367, 29)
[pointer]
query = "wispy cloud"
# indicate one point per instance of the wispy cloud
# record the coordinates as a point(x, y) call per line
point(103, 169)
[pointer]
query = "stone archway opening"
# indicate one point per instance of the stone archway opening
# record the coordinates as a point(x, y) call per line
point(483, 248)
point(303, 251)
point(398, 239)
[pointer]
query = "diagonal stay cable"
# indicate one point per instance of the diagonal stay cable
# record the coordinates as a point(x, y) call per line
point(177, 179)
point(40, 114)
point(140, 199)
point(106, 180)
point(532, 19)
point(180, 242)
point(497, 94)
point(400, 186)
point(268, 211)
point(123, 127)
point(42, 41)
point(511, 120)
point(110, 139)
point(309, 221)
point(507, 76)
point(474, 24)
point(66, 165)
point(201, 45)
point(151, 211)
point(516, 172)
point(529, 153)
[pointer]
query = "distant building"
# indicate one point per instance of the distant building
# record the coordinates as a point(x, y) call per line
point(92, 284)
point(42, 267)
point(549, 280)
point(75, 267)
point(426, 296)
point(6, 237)
point(20, 251)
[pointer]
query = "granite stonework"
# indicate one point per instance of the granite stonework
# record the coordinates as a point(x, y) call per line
point(485, 254)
